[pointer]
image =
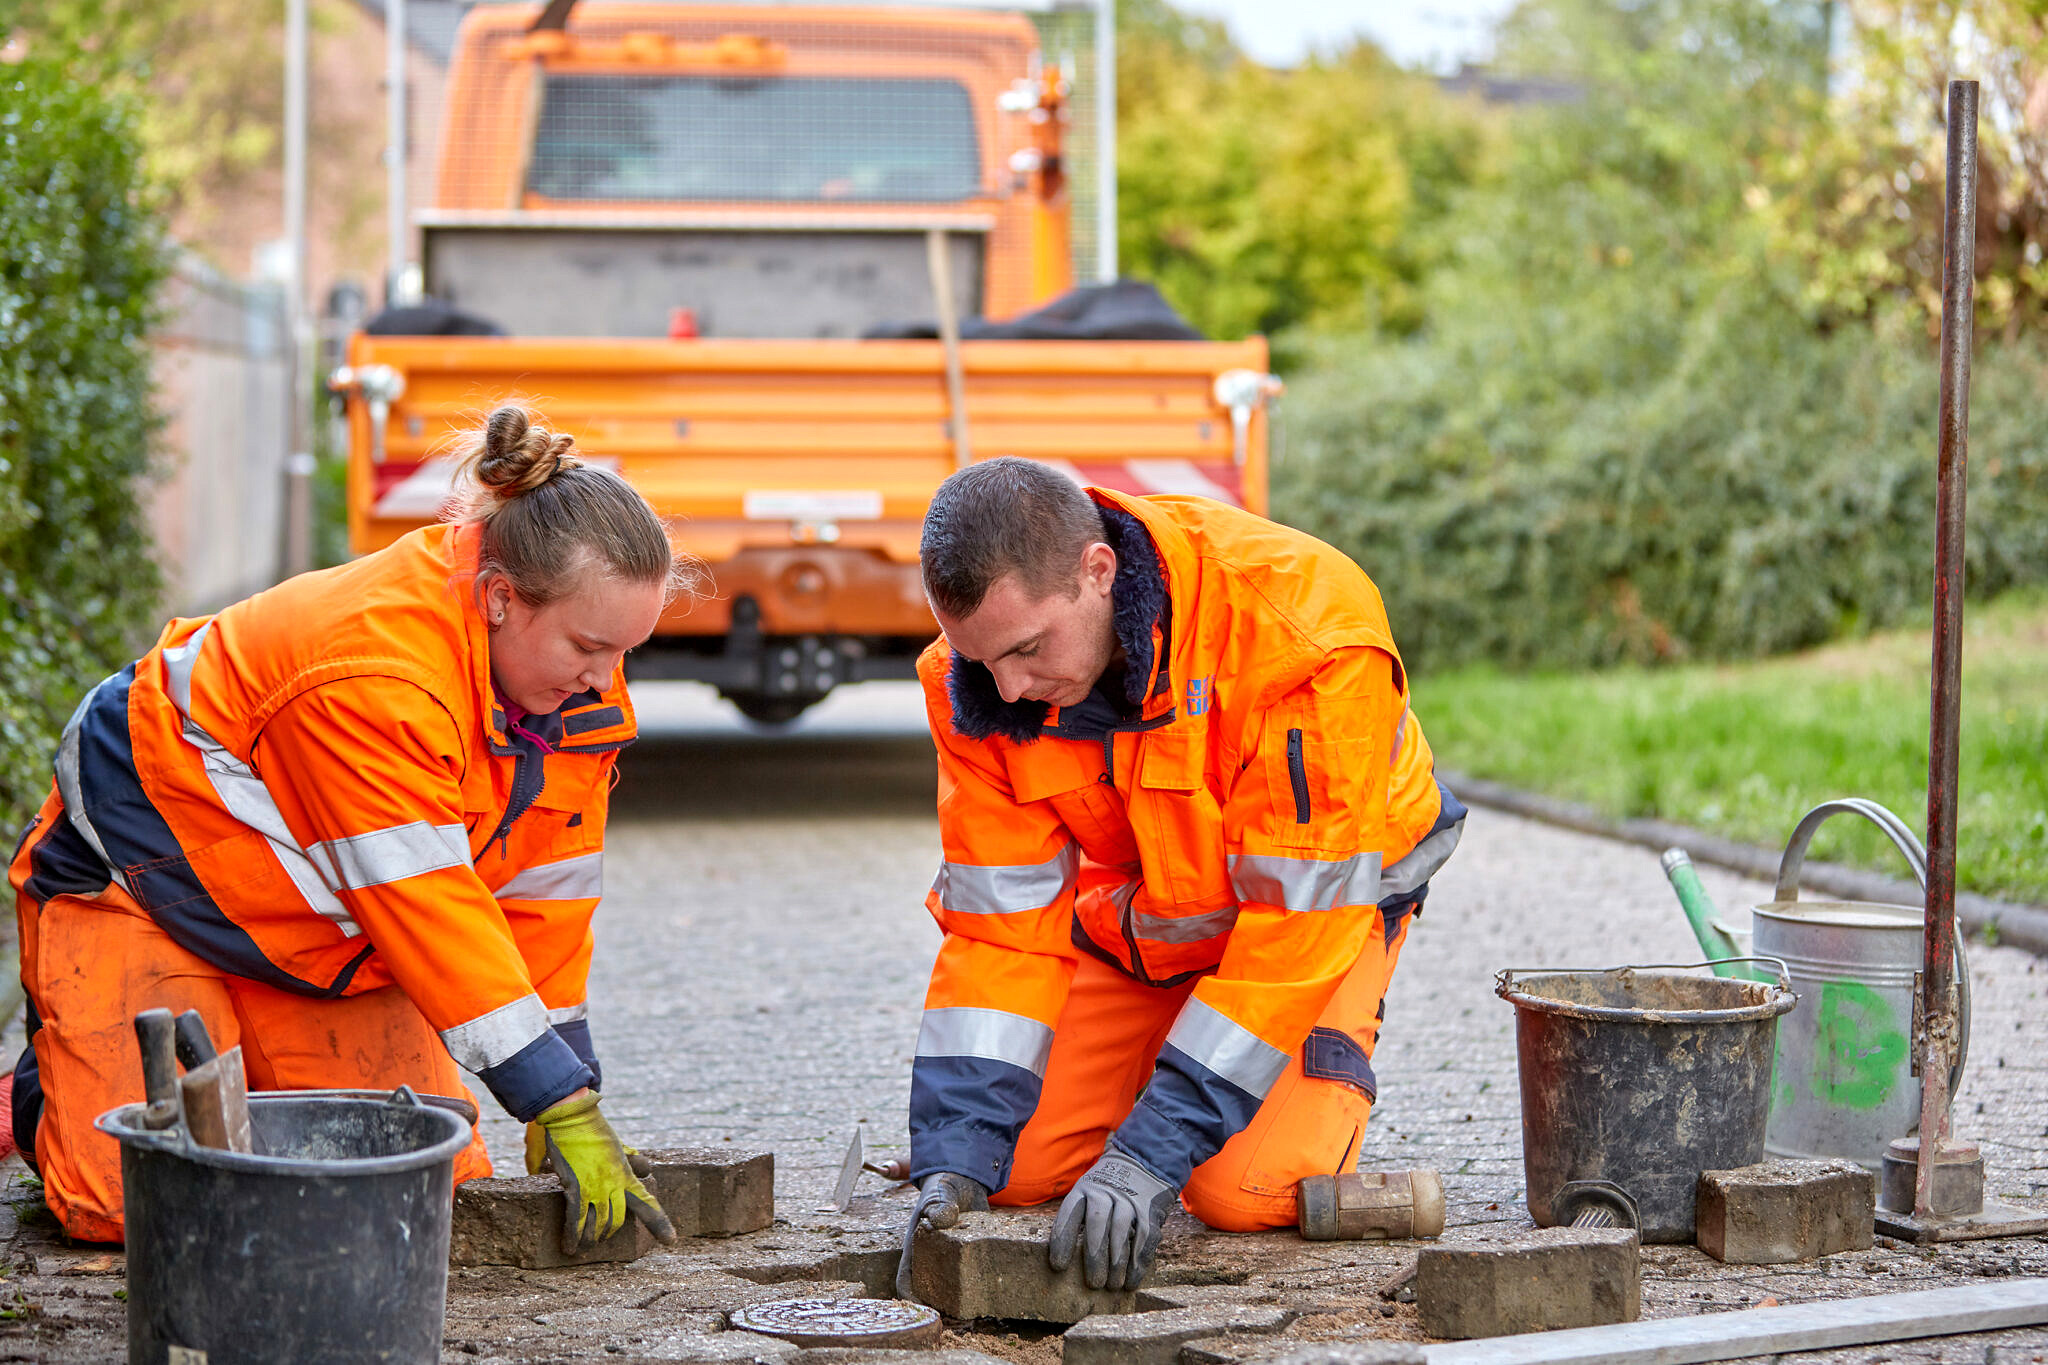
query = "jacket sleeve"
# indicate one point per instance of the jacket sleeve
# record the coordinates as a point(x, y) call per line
point(1305, 832)
point(367, 775)
point(1004, 896)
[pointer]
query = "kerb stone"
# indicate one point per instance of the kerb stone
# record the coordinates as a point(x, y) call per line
point(993, 1266)
point(1550, 1278)
point(1781, 1211)
point(1156, 1338)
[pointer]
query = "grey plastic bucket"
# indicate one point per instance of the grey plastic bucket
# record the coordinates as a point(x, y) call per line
point(1845, 1085)
point(328, 1244)
point(1642, 1076)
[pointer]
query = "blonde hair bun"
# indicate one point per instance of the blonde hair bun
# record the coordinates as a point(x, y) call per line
point(516, 455)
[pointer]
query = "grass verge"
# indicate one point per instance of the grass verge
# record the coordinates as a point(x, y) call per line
point(1744, 750)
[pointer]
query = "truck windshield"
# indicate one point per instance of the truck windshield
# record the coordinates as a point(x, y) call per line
point(774, 138)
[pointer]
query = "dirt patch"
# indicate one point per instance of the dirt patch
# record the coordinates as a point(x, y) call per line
point(1020, 1344)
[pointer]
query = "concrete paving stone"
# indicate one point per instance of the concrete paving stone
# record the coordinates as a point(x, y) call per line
point(709, 1348)
point(1780, 1211)
point(1547, 1278)
point(713, 1191)
point(1156, 1338)
point(615, 1318)
point(1241, 1350)
point(857, 1355)
point(517, 1221)
point(869, 1262)
point(1287, 1353)
point(1153, 1298)
point(993, 1265)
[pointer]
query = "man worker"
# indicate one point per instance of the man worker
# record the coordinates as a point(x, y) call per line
point(1186, 814)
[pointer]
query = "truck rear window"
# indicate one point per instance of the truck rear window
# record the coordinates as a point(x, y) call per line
point(778, 138)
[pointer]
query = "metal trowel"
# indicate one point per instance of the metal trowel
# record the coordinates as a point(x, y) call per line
point(854, 1163)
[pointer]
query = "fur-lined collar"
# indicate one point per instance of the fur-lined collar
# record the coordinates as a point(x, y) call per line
point(1138, 602)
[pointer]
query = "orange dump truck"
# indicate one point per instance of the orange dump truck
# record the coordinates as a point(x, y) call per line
point(687, 221)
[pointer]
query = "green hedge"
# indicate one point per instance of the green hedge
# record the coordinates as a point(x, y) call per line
point(1765, 487)
point(81, 256)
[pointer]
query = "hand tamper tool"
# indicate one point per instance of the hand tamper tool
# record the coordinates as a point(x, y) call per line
point(1372, 1206)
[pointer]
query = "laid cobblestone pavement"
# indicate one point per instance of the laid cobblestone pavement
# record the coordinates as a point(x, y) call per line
point(761, 964)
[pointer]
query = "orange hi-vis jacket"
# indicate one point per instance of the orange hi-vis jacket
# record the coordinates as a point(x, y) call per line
point(317, 789)
point(1257, 801)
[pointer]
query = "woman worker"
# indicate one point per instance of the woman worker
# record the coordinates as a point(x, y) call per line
point(357, 822)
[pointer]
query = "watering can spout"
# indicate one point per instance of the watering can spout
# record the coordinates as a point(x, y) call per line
point(1700, 912)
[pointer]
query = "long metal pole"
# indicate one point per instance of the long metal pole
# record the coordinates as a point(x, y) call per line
point(1937, 1043)
point(1105, 141)
point(298, 468)
point(394, 149)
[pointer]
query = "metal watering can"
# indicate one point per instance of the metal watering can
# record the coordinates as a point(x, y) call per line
point(1843, 1081)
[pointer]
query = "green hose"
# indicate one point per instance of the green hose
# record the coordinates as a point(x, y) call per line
point(1700, 912)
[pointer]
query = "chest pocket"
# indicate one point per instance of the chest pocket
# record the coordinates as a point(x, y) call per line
point(1326, 783)
point(1181, 820)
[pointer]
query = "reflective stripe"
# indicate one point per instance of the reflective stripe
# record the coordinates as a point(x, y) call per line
point(996, 1035)
point(242, 792)
point(1420, 863)
point(572, 879)
point(178, 666)
point(73, 795)
point(569, 1014)
point(1227, 1048)
point(1005, 889)
point(581, 722)
point(1306, 884)
point(390, 855)
point(489, 1039)
point(1185, 928)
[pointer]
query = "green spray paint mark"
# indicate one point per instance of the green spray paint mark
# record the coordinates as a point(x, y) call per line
point(1856, 1061)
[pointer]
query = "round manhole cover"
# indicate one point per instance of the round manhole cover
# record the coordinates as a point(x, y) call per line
point(843, 1322)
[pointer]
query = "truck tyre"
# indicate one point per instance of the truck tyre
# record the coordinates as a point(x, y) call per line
point(765, 710)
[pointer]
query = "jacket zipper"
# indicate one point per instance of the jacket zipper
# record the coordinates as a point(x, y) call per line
point(1297, 771)
point(1108, 778)
point(528, 767)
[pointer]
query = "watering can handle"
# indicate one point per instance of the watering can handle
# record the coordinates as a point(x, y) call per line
point(1795, 849)
point(1916, 857)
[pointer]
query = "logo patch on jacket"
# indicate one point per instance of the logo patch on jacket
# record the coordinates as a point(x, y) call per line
point(1199, 695)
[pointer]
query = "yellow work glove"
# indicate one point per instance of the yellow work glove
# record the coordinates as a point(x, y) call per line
point(537, 1162)
point(596, 1171)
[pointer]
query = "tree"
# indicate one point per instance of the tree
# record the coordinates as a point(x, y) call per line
point(1261, 200)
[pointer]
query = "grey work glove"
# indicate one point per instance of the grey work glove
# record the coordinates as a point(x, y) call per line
point(1115, 1213)
point(941, 1200)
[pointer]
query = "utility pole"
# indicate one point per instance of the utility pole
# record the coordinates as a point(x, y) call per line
point(298, 465)
point(1105, 140)
point(396, 285)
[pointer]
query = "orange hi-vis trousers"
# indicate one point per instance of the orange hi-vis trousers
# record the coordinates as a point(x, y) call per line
point(91, 965)
point(1103, 1050)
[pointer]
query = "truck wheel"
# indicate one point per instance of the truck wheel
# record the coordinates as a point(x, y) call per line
point(770, 710)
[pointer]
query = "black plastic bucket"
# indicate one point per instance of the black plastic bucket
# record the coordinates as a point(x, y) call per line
point(1642, 1077)
point(329, 1244)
